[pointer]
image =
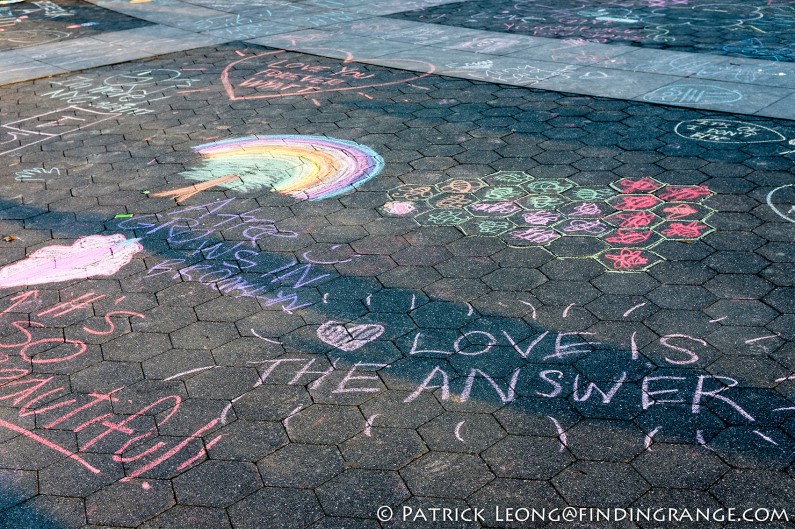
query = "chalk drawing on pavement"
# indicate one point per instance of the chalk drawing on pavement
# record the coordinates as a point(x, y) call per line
point(304, 167)
point(627, 218)
point(95, 255)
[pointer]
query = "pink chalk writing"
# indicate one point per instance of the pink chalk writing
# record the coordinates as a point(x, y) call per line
point(25, 390)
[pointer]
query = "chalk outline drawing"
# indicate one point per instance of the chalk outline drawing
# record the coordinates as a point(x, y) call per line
point(349, 337)
point(692, 93)
point(21, 37)
point(773, 206)
point(44, 136)
point(122, 92)
point(229, 88)
point(526, 75)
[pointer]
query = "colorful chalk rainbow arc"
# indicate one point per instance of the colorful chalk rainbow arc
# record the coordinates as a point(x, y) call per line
point(304, 167)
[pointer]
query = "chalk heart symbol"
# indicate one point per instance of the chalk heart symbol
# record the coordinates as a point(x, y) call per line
point(229, 86)
point(349, 337)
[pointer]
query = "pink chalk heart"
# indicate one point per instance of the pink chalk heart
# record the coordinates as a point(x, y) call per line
point(399, 208)
point(351, 337)
point(280, 76)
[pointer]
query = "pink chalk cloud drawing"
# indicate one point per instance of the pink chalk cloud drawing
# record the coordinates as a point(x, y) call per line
point(94, 255)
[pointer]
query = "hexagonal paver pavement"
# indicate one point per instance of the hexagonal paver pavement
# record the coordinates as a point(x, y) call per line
point(250, 287)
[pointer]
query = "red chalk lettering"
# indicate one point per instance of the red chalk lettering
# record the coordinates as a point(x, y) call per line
point(347, 71)
point(122, 426)
point(12, 373)
point(202, 451)
point(80, 347)
point(25, 410)
point(19, 299)
point(173, 451)
point(80, 302)
point(28, 337)
point(111, 325)
point(312, 79)
point(263, 84)
point(96, 399)
point(120, 458)
point(47, 443)
point(29, 387)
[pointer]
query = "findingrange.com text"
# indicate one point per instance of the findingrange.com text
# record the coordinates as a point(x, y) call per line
point(581, 514)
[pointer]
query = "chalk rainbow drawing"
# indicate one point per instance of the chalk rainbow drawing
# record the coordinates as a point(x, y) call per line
point(305, 167)
point(95, 255)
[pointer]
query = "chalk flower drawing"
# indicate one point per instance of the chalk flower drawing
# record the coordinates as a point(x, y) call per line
point(350, 338)
point(95, 255)
point(305, 167)
point(633, 213)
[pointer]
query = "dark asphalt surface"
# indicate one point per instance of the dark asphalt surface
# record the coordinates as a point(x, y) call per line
point(495, 297)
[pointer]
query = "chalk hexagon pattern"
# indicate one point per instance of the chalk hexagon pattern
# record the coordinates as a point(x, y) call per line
point(618, 224)
point(304, 167)
point(95, 255)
